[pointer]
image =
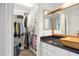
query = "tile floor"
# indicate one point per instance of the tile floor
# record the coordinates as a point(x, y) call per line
point(26, 52)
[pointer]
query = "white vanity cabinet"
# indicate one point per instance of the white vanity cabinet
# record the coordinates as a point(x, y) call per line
point(47, 49)
point(61, 52)
point(50, 50)
point(73, 54)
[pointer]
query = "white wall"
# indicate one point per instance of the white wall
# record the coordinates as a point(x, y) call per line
point(9, 29)
point(34, 15)
point(6, 30)
point(2, 29)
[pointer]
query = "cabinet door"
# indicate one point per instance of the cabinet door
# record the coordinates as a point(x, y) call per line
point(51, 53)
point(43, 44)
point(48, 46)
point(43, 52)
point(73, 54)
point(43, 49)
point(61, 52)
point(47, 49)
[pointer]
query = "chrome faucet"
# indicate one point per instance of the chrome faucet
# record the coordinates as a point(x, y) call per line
point(77, 33)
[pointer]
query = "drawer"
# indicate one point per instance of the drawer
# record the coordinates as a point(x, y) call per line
point(51, 53)
point(47, 53)
point(47, 46)
point(61, 52)
point(44, 44)
point(73, 54)
point(43, 52)
point(50, 47)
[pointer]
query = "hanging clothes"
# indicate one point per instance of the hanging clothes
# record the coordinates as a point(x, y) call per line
point(14, 29)
point(26, 42)
point(18, 29)
point(22, 29)
point(33, 42)
point(25, 22)
point(30, 39)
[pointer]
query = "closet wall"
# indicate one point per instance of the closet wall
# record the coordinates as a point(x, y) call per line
point(32, 24)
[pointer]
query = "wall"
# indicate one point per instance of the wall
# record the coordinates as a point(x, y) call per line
point(9, 29)
point(2, 29)
point(6, 30)
point(32, 17)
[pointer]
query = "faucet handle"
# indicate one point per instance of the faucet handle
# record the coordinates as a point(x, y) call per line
point(77, 34)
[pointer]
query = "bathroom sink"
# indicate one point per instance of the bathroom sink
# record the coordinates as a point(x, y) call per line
point(70, 42)
point(55, 42)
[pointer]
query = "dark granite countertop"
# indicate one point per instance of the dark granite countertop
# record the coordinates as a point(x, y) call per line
point(48, 38)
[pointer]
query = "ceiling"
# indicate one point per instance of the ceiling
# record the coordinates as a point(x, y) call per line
point(21, 9)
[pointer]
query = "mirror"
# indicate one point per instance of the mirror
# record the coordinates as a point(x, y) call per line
point(66, 21)
point(72, 20)
point(59, 19)
point(47, 21)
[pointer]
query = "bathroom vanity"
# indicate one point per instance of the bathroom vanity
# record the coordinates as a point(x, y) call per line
point(64, 41)
point(52, 46)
